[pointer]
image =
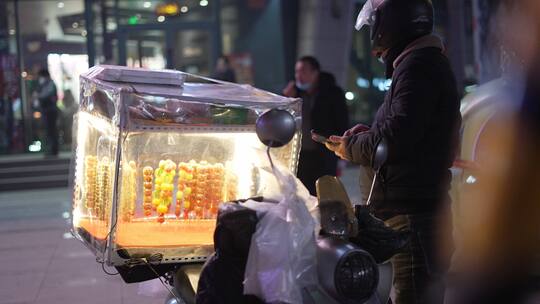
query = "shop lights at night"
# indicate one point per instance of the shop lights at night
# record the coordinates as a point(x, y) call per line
point(168, 9)
point(133, 20)
point(382, 84)
point(35, 146)
point(363, 83)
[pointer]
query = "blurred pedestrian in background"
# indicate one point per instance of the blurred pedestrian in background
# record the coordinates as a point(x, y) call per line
point(324, 111)
point(224, 70)
point(70, 108)
point(46, 95)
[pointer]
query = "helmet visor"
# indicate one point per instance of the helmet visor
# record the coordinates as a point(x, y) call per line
point(367, 14)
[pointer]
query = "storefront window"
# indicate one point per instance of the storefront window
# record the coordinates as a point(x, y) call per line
point(146, 49)
point(11, 112)
point(105, 44)
point(66, 37)
point(132, 12)
point(53, 37)
point(252, 33)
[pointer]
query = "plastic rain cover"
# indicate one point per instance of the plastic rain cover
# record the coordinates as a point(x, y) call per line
point(282, 255)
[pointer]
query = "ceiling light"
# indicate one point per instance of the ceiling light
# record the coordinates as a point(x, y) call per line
point(203, 3)
point(147, 4)
point(60, 4)
point(161, 18)
point(184, 9)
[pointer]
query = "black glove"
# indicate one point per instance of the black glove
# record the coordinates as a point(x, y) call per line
point(376, 238)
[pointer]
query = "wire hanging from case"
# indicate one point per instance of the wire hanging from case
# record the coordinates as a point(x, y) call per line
point(169, 289)
point(270, 157)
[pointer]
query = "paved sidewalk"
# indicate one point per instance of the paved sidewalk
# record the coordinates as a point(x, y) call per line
point(31, 156)
point(41, 262)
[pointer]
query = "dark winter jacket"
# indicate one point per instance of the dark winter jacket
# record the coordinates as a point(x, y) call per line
point(420, 121)
point(47, 96)
point(329, 114)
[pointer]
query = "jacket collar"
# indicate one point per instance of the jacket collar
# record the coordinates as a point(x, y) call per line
point(420, 43)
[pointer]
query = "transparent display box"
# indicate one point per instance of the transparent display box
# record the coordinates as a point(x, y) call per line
point(155, 154)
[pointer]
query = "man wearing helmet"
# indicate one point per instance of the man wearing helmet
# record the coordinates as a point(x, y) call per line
point(420, 122)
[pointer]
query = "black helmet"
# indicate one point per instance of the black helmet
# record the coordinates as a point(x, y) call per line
point(396, 21)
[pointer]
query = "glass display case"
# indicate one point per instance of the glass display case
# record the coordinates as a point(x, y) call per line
point(155, 154)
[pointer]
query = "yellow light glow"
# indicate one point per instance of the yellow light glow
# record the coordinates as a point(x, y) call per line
point(86, 123)
point(82, 126)
point(167, 9)
point(244, 160)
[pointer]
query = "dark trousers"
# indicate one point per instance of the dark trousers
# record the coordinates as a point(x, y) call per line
point(314, 164)
point(50, 118)
point(417, 272)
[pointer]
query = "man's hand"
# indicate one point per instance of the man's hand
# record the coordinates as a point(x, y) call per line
point(290, 90)
point(359, 128)
point(338, 145)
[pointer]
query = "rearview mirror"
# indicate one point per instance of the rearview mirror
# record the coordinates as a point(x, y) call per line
point(275, 128)
point(381, 155)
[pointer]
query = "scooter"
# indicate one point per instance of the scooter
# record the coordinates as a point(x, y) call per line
point(347, 273)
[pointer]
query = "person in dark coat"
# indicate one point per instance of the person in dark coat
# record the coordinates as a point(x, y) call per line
point(324, 111)
point(420, 121)
point(224, 70)
point(47, 96)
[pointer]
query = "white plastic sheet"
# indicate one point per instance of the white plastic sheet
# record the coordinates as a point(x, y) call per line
point(282, 256)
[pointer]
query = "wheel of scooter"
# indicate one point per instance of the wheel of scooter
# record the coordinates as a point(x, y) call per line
point(346, 272)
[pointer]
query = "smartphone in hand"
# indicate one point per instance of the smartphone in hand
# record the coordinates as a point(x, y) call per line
point(321, 139)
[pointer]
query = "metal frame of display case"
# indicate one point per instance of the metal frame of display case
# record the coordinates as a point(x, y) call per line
point(107, 250)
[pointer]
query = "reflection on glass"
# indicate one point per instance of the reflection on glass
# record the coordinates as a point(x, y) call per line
point(192, 52)
point(53, 37)
point(146, 49)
